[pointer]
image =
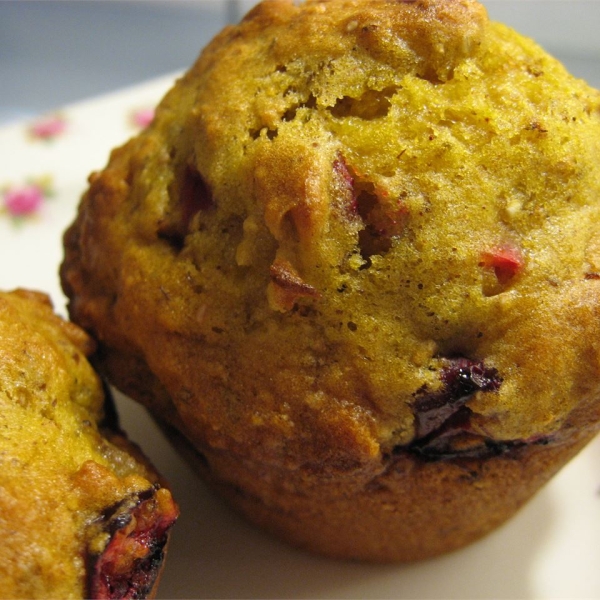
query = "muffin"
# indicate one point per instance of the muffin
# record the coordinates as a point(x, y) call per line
point(82, 512)
point(353, 266)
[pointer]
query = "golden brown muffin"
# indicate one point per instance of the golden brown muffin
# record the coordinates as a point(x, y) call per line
point(82, 513)
point(355, 262)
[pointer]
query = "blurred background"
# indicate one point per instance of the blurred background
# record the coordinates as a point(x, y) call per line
point(54, 53)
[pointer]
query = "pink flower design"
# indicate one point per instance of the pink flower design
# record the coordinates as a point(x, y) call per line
point(49, 127)
point(142, 117)
point(25, 201)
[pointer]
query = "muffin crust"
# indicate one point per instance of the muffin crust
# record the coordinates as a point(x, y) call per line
point(358, 236)
point(67, 470)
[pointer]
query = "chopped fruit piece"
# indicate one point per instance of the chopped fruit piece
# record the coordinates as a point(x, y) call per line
point(286, 286)
point(137, 531)
point(285, 276)
point(345, 183)
point(506, 261)
point(454, 440)
point(443, 422)
point(380, 217)
point(193, 197)
point(460, 380)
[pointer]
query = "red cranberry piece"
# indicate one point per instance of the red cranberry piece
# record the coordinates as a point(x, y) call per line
point(506, 261)
point(138, 528)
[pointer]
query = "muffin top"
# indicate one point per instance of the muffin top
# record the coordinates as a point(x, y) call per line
point(65, 477)
point(354, 225)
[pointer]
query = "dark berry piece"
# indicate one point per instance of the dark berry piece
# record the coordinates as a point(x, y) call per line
point(443, 421)
point(460, 380)
point(130, 562)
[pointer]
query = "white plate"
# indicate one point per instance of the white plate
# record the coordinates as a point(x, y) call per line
point(551, 549)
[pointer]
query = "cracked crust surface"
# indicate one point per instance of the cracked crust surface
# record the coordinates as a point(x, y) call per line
point(335, 202)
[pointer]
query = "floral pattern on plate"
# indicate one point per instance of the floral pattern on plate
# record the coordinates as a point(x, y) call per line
point(140, 118)
point(45, 155)
point(48, 127)
point(24, 201)
point(46, 162)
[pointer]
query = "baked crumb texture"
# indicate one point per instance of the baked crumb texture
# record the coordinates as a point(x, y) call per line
point(82, 513)
point(355, 260)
